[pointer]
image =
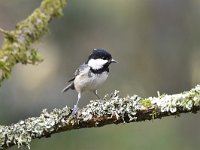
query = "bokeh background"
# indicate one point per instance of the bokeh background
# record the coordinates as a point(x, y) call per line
point(157, 45)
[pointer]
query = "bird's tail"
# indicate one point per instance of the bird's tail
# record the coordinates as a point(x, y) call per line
point(70, 86)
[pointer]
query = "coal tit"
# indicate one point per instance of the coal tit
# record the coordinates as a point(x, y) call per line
point(91, 74)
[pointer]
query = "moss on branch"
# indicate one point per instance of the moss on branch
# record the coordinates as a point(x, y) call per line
point(16, 47)
point(111, 110)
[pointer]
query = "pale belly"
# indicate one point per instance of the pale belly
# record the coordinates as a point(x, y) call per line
point(84, 83)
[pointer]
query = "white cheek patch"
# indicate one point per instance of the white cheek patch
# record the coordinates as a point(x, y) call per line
point(97, 63)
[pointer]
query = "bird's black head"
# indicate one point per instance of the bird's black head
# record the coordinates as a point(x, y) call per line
point(100, 59)
point(100, 54)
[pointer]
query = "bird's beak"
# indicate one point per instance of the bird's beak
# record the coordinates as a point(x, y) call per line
point(113, 61)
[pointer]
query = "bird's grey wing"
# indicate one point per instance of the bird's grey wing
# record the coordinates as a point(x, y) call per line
point(71, 85)
point(77, 72)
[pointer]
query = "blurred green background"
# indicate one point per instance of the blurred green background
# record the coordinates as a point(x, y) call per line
point(157, 45)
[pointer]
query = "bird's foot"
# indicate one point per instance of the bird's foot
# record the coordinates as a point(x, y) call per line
point(75, 109)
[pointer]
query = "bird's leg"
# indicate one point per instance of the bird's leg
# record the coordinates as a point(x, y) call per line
point(95, 93)
point(75, 109)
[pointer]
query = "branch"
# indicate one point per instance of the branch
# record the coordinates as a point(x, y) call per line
point(17, 43)
point(112, 110)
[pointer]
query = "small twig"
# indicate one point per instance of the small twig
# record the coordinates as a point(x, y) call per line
point(17, 44)
point(4, 31)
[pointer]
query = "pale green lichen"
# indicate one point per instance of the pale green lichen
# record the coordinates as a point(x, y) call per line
point(171, 103)
point(23, 132)
point(17, 43)
point(113, 106)
point(111, 110)
point(146, 103)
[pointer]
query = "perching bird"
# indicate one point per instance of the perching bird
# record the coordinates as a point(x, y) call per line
point(91, 74)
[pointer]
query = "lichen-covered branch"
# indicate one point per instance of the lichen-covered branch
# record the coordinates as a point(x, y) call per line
point(112, 110)
point(16, 47)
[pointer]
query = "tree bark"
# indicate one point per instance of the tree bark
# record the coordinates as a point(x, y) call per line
point(110, 110)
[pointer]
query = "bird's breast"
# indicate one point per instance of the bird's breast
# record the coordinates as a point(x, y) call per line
point(89, 81)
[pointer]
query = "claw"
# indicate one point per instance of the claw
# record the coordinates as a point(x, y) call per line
point(75, 109)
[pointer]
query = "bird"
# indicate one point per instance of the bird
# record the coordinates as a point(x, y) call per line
point(91, 74)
